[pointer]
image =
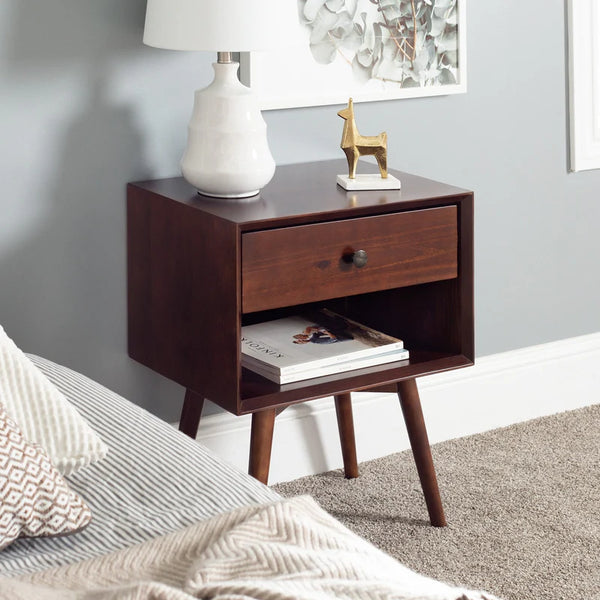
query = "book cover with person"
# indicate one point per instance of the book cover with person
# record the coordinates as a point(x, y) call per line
point(302, 342)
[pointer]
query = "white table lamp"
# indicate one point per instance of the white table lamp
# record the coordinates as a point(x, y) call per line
point(227, 153)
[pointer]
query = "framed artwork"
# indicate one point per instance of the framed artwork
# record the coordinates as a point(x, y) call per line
point(364, 49)
point(584, 84)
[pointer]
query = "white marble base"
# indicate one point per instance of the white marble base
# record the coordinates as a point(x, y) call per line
point(369, 182)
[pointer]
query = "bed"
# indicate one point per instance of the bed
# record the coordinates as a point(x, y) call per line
point(170, 520)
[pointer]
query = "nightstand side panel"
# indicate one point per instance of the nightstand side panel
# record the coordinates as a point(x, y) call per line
point(466, 221)
point(183, 295)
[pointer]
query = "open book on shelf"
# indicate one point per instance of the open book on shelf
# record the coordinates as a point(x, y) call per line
point(322, 343)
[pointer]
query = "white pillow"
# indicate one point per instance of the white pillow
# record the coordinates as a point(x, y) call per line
point(43, 414)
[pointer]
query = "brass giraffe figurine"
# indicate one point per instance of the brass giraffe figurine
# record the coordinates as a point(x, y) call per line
point(355, 145)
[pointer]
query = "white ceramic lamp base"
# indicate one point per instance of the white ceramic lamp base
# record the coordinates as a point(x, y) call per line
point(369, 182)
point(227, 154)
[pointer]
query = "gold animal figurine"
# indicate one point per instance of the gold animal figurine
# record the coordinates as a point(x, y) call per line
point(355, 145)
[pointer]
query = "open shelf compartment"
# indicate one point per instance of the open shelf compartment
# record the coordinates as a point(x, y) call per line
point(428, 318)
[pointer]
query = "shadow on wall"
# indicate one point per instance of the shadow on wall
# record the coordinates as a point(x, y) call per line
point(68, 30)
point(64, 283)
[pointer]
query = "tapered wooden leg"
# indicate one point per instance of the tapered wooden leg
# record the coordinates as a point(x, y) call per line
point(343, 409)
point(261, 441)
point(190, 413)
point(417, 434)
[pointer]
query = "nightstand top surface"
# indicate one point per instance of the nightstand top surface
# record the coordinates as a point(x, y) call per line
point(304, 189)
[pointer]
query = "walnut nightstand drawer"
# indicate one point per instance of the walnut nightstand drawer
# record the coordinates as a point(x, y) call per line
point(307, 263)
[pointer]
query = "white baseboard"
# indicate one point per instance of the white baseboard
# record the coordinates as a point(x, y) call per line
point(499, 390)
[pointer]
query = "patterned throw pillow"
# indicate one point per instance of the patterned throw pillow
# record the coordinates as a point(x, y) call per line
point(35, 500)
point(44, 415)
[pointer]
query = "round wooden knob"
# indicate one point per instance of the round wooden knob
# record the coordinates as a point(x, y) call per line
point(359, 258)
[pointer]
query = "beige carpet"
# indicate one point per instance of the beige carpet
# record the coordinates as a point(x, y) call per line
point(522, 502)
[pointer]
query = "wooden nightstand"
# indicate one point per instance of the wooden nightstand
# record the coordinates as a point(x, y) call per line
point(200, 268)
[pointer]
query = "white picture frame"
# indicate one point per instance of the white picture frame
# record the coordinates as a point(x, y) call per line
point(584, 84)
point(293, 78)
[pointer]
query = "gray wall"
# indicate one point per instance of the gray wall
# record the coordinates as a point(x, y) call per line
point(85, 108)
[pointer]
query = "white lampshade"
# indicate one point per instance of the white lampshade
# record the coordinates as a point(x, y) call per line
point(220, 25)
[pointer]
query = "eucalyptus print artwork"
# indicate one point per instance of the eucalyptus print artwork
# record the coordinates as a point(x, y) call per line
point(404, 43)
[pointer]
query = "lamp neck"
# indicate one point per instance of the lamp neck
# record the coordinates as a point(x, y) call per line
point(224, 58)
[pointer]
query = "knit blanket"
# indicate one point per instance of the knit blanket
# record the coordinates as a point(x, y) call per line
point(286, 550)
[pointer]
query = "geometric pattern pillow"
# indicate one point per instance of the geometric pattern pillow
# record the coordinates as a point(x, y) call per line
point(44, 415)
point(35, 499)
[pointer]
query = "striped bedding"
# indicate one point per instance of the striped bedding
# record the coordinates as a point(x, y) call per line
point(154, 481)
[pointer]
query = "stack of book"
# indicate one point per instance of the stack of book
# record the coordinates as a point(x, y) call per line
point(306, 346)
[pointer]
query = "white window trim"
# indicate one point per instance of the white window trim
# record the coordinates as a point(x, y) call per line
point(584, 84)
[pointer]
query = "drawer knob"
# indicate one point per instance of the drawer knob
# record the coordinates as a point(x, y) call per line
point(359, 258)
